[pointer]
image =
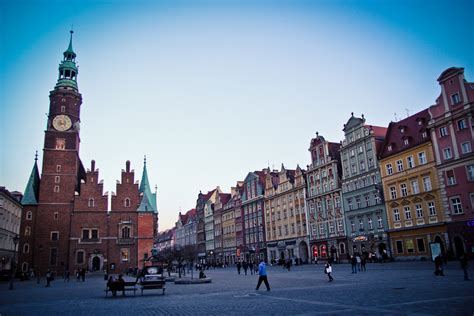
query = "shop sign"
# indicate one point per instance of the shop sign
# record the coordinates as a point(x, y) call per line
point(359, 238)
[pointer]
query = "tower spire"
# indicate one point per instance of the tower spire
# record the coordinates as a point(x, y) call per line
point(67, 68)
point(32, 188)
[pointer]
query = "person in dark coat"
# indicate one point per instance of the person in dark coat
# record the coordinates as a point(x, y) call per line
point(354, 264)
point(463, 260)
point(439, 266)
point(239, 266)
point(245, 266)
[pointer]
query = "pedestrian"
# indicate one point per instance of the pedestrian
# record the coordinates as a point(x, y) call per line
point(49, 278)
point(66, 276)
point(358, 260)
point(112, 286)
point(463, 260)
point(354, 264)
point(328, 271)
point(438, 265)
point(239, 266)
point(78, 275)
point(315, 260)
point(245, 266)
point(251, 267)
point(83, 275)
point(262, 272)
point(362, 262)
point(120, 284)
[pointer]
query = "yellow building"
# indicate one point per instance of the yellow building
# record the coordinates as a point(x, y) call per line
point(415, 215)
point(285, 215)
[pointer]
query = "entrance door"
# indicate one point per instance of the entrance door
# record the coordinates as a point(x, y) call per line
point(303, 252)
point(96, 264)
point(458, 246)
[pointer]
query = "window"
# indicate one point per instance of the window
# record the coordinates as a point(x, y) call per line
point(63, 109)
point(393, 193)
point(461, 124)
point(396, 215)
point(27, 231)
point(353, 226)
point(124, 254)
point(399, 165)
point(321, 229)
point(431, 208)
point(361, 224)
point(56, 189)
point(56, 216)
point(456, 206)
point(447, 153)
point(57, 179)
point(466, 147)
point(427, 184)
point(362, 165)
point(443, 131)
point(358, 202)
point(407, 212)
point(90, 234)
point(58, 168)
point(399, 244)
point(340, 227)
point(389, 148)
point(126, 202)
point(24, 267)
point(406, 142)
point(380, 221)
point(410, 162)
point(54, 236)
point(60, 143)
point(389, 168)
point(53, 256)
point(403, 189)
point(455, 98)
point(410, 245)
point(29, 215)
point(420, 243)
point(450, 178)
point(414, 187)
point(421, 158)
point(331, 228)
point(125, 232)
point(361, 149)
point(292, 228)
point(419, 211)
point(377, 198)
point(470, 172)
point(91, 203)
point(371, 224)
point(367, 200)
point(26, 248)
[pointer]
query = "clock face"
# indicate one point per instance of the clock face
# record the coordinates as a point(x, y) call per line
point(62, 122)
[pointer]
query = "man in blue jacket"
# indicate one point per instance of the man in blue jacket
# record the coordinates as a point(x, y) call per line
point(262, 271)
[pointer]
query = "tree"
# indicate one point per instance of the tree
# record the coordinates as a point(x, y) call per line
point(189, 253)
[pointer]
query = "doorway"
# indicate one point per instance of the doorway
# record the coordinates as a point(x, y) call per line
point(95, 264)
point(458, 246)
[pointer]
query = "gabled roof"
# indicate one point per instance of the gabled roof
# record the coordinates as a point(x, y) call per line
point(32, 187)
point(225, 197)
point(410, 129)
point(379, 131)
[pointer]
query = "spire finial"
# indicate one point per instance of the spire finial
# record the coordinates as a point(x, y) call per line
point(156, 188)
point(144, 159)
point(36, 156)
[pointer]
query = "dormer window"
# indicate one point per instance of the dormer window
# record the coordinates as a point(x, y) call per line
point(91, 203)
point(402, 129)
point(424, 135)
point(455, 98)
point(406, 142)
point(389, 148)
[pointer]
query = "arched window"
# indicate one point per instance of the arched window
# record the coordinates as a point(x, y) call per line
point(125, 232)
point(323, 251)
point(24, 267)
point(127, 202)
point(27, 231)
point(29, 215)
point(26, 248)
point(91, 203)
point(342, 249)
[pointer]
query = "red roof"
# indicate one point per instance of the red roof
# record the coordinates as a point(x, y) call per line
point(225, 197)
point(379, 131)
point(410, 129)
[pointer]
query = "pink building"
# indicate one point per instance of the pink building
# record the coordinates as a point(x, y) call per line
point(452, 132)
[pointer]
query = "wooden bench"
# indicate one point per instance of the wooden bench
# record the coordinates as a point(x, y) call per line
point(155, 284)
point(127, 286)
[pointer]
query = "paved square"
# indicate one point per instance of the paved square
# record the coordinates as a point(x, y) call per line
point(384, 289)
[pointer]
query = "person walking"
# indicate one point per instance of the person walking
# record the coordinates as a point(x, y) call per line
point(239, 266)
point(251, 267)
point(363, 260)
point(328, 270)
point(463, 260)
point(354, 264)
point(358, 260)
point(262, 272)
point(83, 275)
point(245, 266)
point(438, 265)
point(49, 278)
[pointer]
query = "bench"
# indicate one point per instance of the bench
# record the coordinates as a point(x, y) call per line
point(154, 284)
point(127, 286)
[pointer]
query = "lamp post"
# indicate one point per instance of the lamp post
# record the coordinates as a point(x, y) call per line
point(16, 239)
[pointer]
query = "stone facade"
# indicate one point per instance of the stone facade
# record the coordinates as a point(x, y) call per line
point(10, 218)
point(365, 215)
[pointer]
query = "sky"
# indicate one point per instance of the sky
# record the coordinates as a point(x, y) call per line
point(211, 90)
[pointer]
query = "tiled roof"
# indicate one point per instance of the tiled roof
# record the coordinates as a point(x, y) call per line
point(379, 131)
point(225, 197)
point(410, 129)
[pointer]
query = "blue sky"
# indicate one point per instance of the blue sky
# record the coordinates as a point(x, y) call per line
point(210, 91)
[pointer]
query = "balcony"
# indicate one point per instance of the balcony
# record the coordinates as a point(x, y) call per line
point(125, 241)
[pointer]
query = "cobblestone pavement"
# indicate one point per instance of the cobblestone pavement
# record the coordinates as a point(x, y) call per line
point(384, 289)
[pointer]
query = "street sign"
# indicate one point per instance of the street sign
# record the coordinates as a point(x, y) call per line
point(470, 223)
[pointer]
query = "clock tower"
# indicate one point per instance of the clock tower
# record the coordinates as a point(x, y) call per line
point(62, 169)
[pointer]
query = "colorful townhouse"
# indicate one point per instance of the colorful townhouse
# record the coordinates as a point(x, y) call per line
point(285, 216)
point(451, 127)
point(415, 212)
point(365, 215)
point(218, 253)
point(327, 233)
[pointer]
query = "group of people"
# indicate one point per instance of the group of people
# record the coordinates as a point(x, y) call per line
point(116, 285)
point(246, 266)
point(358, 262)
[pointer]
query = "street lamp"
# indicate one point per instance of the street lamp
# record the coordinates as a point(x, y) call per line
point(16, 239)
